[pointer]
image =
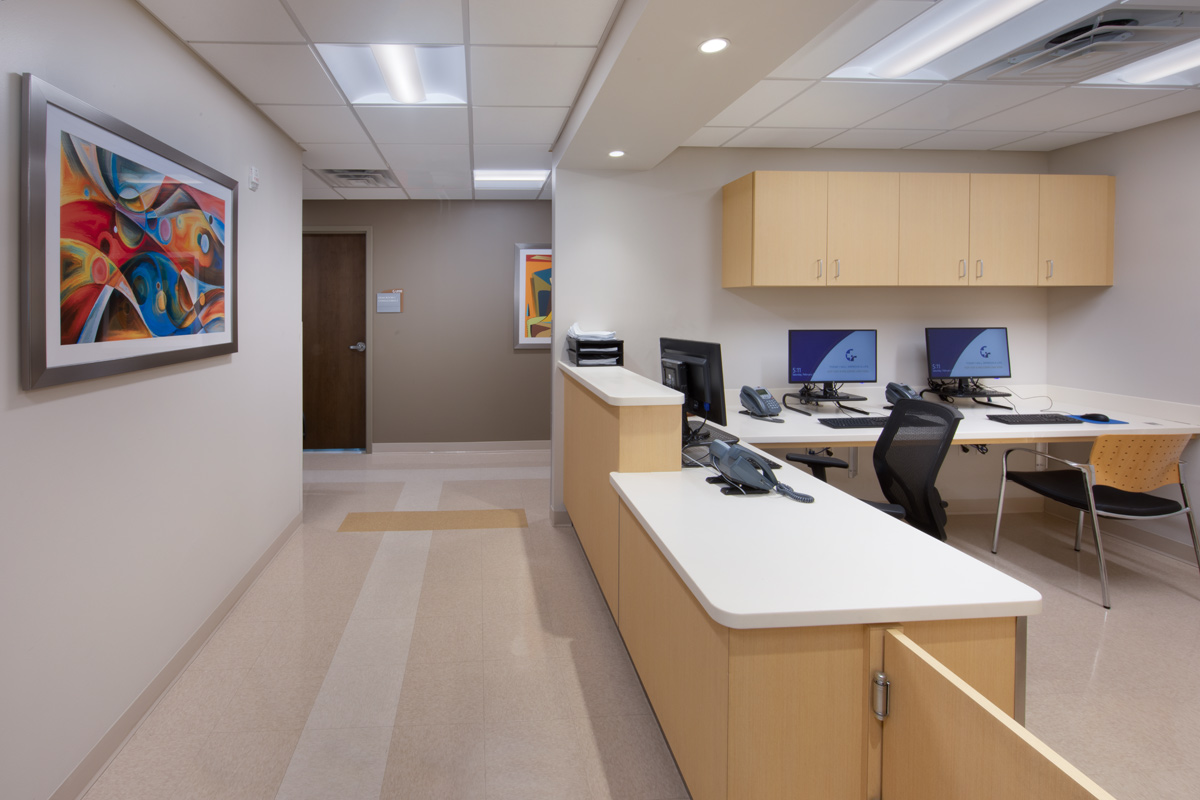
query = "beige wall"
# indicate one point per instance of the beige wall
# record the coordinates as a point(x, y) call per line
point(445, 370)
point(132, 505)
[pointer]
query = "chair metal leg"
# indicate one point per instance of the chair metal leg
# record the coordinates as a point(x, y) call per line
point(1079, 532)
point(1191, 522)
point(1000, 508)
point(1099, 551)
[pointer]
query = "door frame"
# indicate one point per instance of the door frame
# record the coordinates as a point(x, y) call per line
point(367, 307)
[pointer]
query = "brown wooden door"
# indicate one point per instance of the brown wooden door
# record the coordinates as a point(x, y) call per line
point(335, 320)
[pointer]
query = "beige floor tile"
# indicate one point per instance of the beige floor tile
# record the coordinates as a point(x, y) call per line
point(392, 588)
point(272, 701)
point(522, 636)
point(358, 696)
point(455, 556)
point(374, 641)
point(522, 690)
point(240, 766)
point(277, 602)
point(195, 702)
point(328, 503)
point(435, 762)
point(450, 598)
point(301, 645)
point(464, 495)
point(626, 758)
point(345, 764)
point(534, 760)
point(234, 645)
point(591, 690)
point(441, 694)
point(149, 767)
point(449, 638)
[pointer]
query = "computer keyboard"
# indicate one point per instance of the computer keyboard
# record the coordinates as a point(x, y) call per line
point(853, 422)
point(1034, 419)
point(706, 433)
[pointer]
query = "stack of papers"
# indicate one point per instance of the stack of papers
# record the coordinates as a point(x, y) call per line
point(589, 336)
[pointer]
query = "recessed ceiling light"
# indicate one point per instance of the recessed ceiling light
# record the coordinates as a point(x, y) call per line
point(714, 45)
point(423, 74)
point(616, 153)
point(510, 178)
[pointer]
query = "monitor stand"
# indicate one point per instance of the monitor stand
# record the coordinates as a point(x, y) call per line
point(812, 394)
point(967, 388)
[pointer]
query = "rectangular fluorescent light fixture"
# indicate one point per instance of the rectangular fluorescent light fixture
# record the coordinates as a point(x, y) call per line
point(398, 74)
point(488, 178)
point(945, 27)
point(401, 72)
point(1163, 65)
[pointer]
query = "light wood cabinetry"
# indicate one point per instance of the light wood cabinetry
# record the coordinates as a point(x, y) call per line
point(1075, 243)
point(917, 229)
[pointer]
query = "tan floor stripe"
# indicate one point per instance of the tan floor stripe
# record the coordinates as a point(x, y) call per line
point(362, 521)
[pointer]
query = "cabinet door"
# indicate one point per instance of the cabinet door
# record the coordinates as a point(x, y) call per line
point(789, 228)
point(935, 227)
point(1075, 243)
point(1004, 230)
point(864, 228)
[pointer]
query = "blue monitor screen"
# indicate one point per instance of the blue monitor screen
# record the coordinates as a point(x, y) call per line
point(967, 352)
point(831, 356)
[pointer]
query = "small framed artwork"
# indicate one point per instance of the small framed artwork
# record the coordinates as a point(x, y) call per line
point(128, 246)
point(535, 272)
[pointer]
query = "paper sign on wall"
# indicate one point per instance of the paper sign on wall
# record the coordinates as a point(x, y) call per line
point(389, 302)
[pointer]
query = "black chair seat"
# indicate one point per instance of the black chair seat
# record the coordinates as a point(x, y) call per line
point(892, 509)
point(1069, 487)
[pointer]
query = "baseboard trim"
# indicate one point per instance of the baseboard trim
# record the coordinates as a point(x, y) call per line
point(458, 447)
point(90, 767)
point(559, 517)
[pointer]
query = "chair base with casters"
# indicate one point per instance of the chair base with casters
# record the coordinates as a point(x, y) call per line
point(907, 457)
point(1116, 482)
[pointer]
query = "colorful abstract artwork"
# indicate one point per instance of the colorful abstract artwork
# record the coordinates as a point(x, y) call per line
point(128, 250)
point(533, 292)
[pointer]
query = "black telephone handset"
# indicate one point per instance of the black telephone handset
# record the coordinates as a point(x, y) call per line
point(900, 391)
point(747, 469)
point(759, 402)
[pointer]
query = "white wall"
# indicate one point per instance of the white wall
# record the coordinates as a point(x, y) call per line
point(132, 505)
point(640, 253)
point(1140, 337)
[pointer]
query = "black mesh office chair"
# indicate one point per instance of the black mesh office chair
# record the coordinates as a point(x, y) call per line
point(907, 458)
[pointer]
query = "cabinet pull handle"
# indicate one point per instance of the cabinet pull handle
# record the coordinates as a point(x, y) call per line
point(837, 268)
point(962, 268)
point(979, 268)
point(1050, 272)
point(820, 267)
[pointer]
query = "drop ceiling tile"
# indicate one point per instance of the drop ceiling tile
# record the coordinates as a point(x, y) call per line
point(448, 193)
point(782, 137)
point(226, 20)
point(381, 21)
point(1065, 107)
point(415, 124)
point(956, 104)
point(711, 137)
point(528, 76)
point(861, 138)
point(317, 123)
point(517, 125)
point(1051, 141)
point(763, 98)
point(858, 30)
point(552, 22)
point(1157, 110)
point(971, 140)
point(417, 180)
point(843, 104)
point(507, 194)
point(272, 73)
point(341, 156)
point(317, 189)
point(512, 156)
point(427, 156)
point(374, 194)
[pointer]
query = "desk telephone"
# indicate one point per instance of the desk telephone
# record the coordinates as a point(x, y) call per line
point(759, 402)
point(748, 471)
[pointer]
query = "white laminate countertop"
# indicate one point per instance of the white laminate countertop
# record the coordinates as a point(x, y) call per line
point(618, 386)
point(767, 561)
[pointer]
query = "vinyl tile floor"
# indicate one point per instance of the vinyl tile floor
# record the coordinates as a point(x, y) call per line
point(485, 664)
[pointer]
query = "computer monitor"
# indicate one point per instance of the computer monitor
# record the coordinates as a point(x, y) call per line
point(694, 368)
point(830, 357)
point(967, 354)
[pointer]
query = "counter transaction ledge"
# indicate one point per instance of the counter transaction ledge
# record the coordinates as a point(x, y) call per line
point(757, 624)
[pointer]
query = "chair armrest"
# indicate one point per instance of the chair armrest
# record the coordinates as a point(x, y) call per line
point(817, 461)
point(1075, 464)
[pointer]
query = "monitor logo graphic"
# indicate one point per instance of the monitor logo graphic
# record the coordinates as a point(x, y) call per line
point(983, 351)
point(850, 355)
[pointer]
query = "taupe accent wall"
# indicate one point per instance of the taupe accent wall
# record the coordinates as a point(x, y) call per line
point(445, 370)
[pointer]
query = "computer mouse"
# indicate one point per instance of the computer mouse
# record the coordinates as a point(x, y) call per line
point(1094, 417)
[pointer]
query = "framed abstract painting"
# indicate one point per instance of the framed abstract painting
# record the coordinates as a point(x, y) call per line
point(535, 271)
point(128, 248)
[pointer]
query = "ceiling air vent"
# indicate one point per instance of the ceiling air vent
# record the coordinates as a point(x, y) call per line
point(1094, 45)
point(358, 178)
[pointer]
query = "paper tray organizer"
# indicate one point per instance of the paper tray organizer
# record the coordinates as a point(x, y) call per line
point(595, 353)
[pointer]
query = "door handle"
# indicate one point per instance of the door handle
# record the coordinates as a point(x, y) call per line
point(979, 268)
point(360, 347)
point(837, 268)
point(820, 266)
point(962, 268)
point(1050, 268)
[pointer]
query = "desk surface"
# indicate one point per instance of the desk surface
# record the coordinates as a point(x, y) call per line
point(766, 561)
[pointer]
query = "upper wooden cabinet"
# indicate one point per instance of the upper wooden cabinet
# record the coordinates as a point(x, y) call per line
point(917, 229)
point(1075, 240)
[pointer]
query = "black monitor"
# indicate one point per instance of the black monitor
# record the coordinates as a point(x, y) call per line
point(831, 357)
point(967, 354)
point(694, 368)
